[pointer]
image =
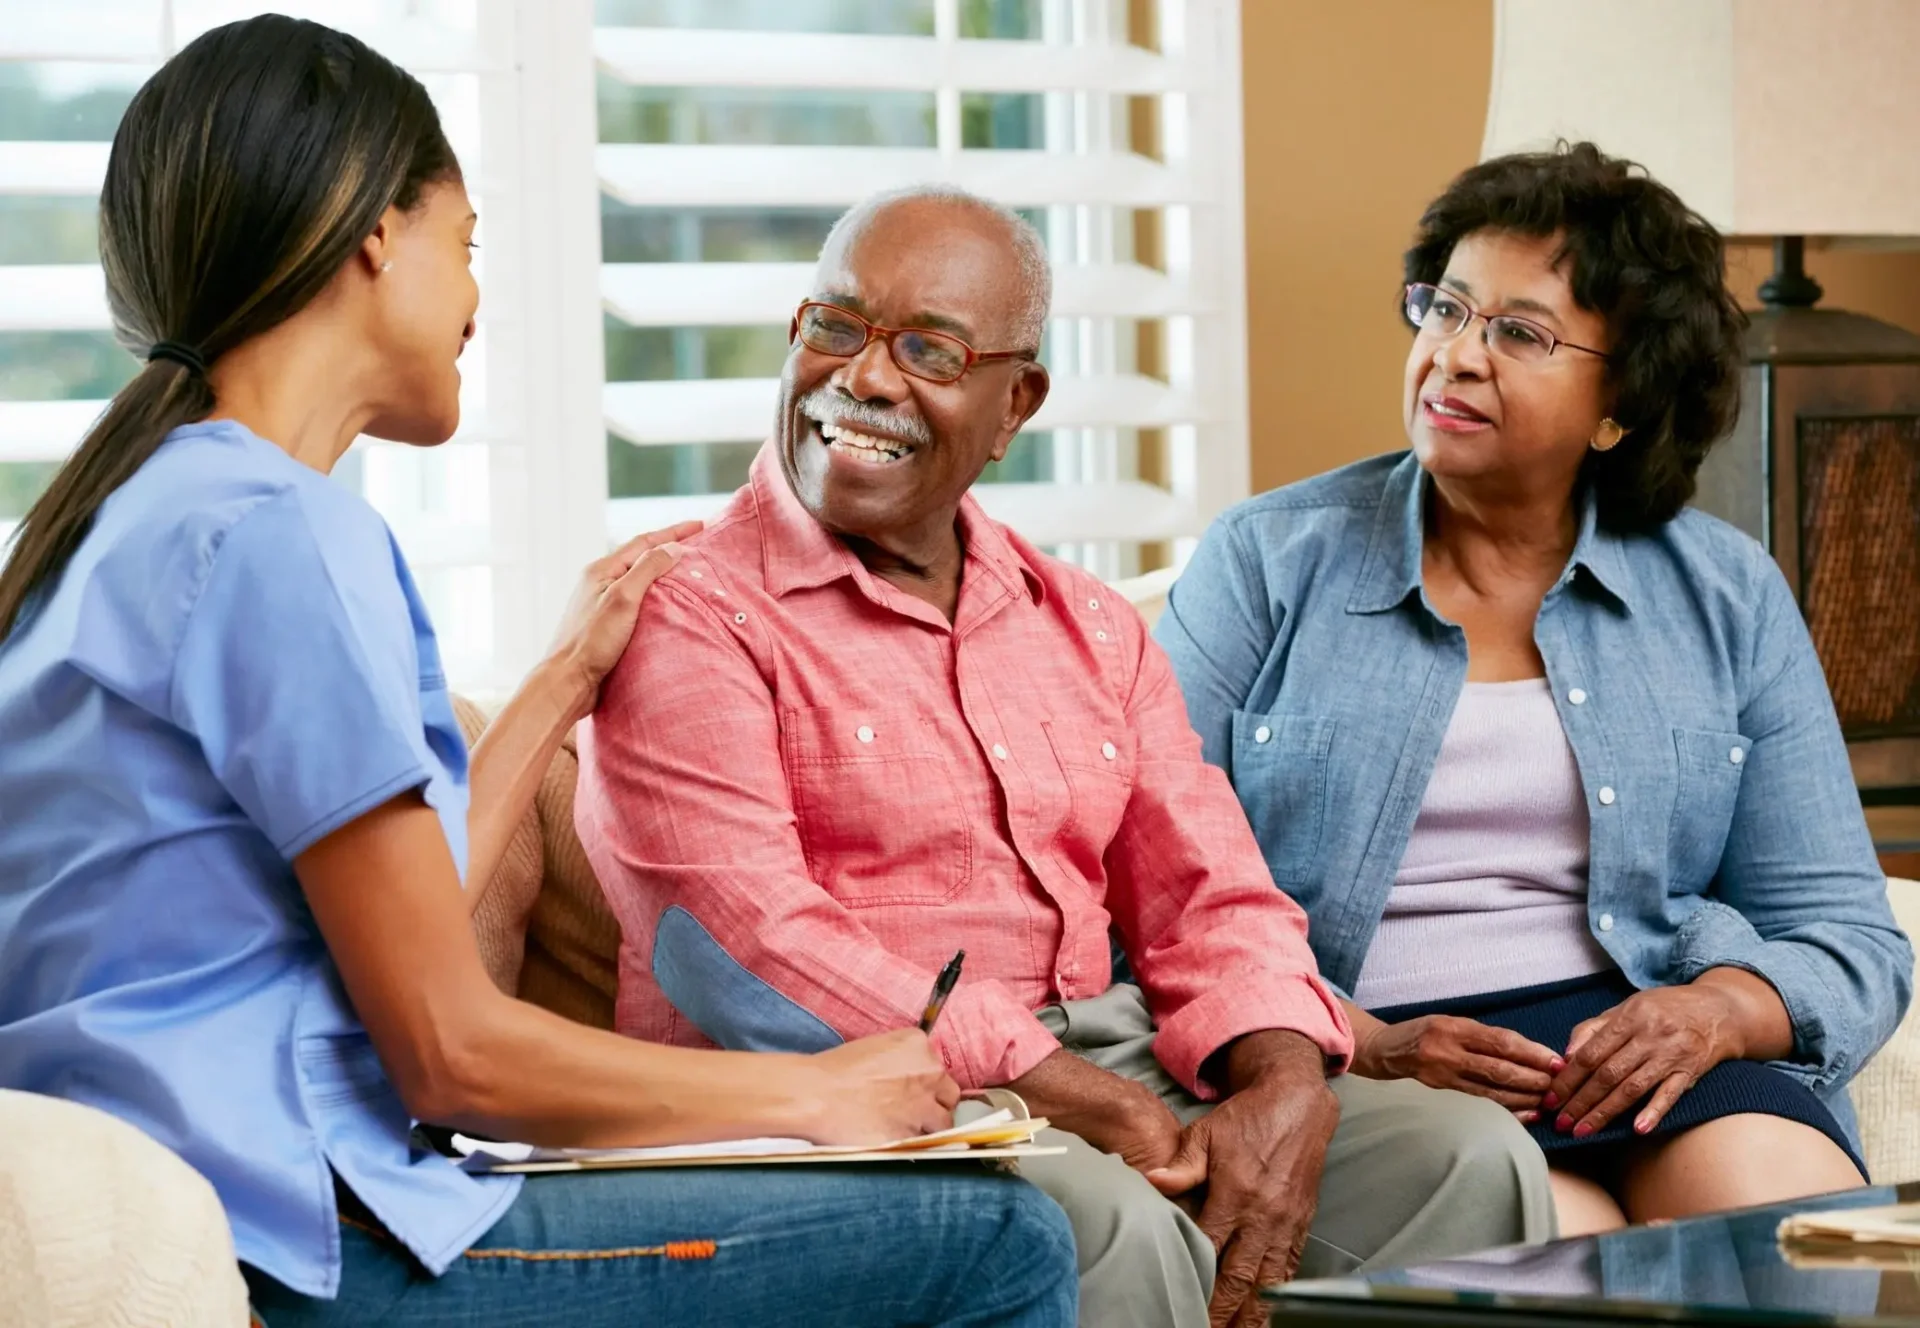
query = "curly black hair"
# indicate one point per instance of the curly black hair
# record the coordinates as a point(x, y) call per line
point(1656, 271)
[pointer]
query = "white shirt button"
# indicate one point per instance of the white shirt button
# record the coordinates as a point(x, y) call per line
point(740, 618)
point(1577, 697)
point(1263, 734)
point(863, 733)
point(1737, 755)
point(1606, 797)
point(695, 573)
point(1093, 603)
point(999, 752)
point(1099, 636)
point(1606, 922)
point(1109, 751)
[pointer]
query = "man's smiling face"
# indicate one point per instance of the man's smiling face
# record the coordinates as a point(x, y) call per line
point(876, 453)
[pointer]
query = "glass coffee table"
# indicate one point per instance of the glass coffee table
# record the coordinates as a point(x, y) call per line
point(1724, 1269)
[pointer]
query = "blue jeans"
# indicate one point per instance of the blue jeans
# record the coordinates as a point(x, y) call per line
point(724, 1245)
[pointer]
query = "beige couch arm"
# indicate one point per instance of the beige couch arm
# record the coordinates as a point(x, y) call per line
point(1887, 1092)
point(99, 1224)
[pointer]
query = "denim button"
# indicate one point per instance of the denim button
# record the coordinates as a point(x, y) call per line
point(1737, 755)
point(1263, 734)
point(1577, 697)
point(1606, 922)
point(1606, 797)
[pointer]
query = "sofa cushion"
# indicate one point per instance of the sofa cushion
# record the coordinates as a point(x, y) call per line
point(500, 919)
point(1887, 1092)
point(573, 940)
point(99, 1224)
point(543, 926)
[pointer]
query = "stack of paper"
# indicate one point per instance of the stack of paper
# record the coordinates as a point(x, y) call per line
point(1886, 1236)
point(1006, 1133)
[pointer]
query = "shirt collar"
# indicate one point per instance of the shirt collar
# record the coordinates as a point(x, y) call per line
point(1391, 571)
point(799, 553)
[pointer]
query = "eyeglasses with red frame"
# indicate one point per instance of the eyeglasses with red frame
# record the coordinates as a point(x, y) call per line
point(938, 357)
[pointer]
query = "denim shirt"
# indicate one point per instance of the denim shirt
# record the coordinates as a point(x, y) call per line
point(234, 664)
point(1726, 829)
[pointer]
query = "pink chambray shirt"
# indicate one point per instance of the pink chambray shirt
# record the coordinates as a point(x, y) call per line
point(841, 789)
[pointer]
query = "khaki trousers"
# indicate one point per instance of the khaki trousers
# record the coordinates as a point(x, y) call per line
point(1413, 1174)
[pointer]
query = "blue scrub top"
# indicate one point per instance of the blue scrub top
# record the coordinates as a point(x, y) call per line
point(234, 664)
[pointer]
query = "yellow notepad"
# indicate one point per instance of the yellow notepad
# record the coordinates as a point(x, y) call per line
point(1005, 1134)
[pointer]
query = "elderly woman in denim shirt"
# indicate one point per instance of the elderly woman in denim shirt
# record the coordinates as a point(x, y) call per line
point(1547, 757)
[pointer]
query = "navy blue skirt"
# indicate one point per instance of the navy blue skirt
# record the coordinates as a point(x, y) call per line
point(1548, 1014)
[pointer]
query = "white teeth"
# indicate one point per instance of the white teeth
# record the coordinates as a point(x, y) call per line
point(860, 444)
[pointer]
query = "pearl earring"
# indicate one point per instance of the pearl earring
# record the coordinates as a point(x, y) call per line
point(387, 266)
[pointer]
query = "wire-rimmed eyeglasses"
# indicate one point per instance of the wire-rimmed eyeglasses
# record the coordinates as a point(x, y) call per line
point(1444, 314)
point(938, 357)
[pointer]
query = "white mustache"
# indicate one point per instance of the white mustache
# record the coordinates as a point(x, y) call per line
point(825, 403)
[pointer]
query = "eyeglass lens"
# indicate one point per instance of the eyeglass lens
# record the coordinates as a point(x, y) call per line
point(925, 354)
point(1434, 310)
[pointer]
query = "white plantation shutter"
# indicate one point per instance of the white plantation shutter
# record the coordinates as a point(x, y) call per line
point(653, 179)
point(460, 511)
point(1079, 180)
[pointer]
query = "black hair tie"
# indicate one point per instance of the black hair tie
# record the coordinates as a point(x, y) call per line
point(180, 353)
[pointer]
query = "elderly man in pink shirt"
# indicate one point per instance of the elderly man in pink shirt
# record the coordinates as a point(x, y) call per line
point(863, 726)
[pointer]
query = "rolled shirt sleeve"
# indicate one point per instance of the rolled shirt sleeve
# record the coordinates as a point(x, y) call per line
point(1219, 951)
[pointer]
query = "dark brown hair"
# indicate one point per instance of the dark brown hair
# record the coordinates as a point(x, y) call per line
point(1656, 271)
point(244, 175)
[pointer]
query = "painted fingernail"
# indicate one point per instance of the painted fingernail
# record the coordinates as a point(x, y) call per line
point(1551, 1100)
point(1529, 1117)
point(1564, 1123)
point(1642, 1125)
point(1582, 1130)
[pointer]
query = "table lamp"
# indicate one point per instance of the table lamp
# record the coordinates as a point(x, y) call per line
point(1785, 120)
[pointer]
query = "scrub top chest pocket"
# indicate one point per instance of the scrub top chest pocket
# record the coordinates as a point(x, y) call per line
point(879, 818)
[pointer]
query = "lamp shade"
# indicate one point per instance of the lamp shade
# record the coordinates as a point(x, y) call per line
point(1769, 117)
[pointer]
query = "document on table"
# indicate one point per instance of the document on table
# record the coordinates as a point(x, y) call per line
point(1006, 1133)
point(1889, 1224)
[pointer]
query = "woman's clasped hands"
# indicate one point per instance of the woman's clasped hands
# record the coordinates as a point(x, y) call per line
point(1646, 1051)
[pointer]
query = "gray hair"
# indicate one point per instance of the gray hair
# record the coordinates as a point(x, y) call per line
point(1029, 250)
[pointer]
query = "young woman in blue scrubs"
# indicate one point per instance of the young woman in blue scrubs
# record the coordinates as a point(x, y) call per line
point(238, 810)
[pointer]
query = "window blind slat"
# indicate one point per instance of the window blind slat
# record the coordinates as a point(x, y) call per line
point(734, 294)
point(674, 175)
point(56, 32)
point(44, 430)
point(685, 57)
point(53, 298)
point(74, 169)
point(1124, 510)
point(49, 430)
point(735, 410)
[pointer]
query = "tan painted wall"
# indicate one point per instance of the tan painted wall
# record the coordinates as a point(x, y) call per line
point(1356, 115)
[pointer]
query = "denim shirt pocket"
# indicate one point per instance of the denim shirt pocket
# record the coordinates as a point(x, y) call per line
point(1708, 763)
point(1280, 772)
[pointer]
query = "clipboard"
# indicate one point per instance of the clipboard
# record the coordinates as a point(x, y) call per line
point(1001, 1138)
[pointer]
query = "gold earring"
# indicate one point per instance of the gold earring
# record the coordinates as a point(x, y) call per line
point(1607, 436)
